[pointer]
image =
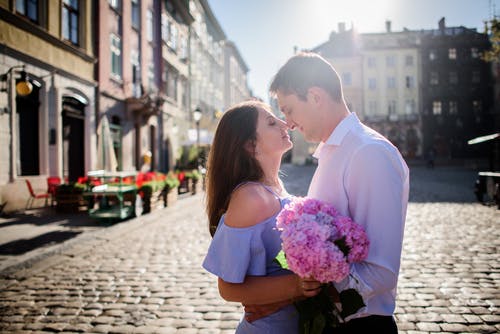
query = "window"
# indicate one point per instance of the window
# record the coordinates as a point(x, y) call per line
point(70, 21)
point(390, 61)
point(432, 55)
point(409, 60)
point(150, 28)
point(436, 107)
point(115, 4)
point(183, 47)
point(151, 76)
point(372, 83)
point(391, 82)
point(136, 14)
point(116, 56)
point(346, 79)
point(474, 53)
point(28, 8)
point(171, 77)
point(136, 73)
point(452, 53)
point(165, 28)
point(410, 81)
point(476, 77)
point(184, 97)
point(372, 62)
point(453, 78)
point(477, 107)
point(434, 79)
point(172, 43)
point(372, 107)
point(410, 107)
point(453, 108)
point(391, 107)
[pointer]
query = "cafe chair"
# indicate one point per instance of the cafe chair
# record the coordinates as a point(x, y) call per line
point(52, 183)
point(34, 196)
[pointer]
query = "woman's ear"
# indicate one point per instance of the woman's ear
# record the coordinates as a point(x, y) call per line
point(250, 147)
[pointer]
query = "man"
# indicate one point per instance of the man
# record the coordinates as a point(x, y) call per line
point(359, 172)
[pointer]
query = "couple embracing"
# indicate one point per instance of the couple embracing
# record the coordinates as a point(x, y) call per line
point(360, 173)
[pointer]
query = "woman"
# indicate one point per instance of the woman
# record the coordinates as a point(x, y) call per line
point(244, 196)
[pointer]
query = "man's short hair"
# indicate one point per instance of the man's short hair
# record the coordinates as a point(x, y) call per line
point(306, 70)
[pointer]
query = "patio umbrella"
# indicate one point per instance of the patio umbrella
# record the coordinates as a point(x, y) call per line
point(106, 158)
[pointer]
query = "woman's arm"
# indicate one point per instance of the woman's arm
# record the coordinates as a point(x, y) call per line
point(267, 290)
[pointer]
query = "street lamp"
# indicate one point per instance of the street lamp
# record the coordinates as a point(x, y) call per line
point(23, 87)
point(197, 118)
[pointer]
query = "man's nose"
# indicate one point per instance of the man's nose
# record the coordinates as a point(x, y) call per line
point(290, 124)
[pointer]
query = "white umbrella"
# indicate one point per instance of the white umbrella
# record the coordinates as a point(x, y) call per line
point(106, 158)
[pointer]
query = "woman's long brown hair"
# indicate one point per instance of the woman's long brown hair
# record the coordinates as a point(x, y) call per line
point(230, 162)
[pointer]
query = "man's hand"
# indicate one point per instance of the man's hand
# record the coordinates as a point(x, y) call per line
point(255, 312)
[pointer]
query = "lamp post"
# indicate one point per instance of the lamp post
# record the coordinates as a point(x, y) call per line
point(197, 118)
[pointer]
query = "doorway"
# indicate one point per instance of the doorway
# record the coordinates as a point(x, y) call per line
point(73, 138)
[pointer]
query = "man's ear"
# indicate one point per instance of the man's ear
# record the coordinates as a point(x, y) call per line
point(315, 94)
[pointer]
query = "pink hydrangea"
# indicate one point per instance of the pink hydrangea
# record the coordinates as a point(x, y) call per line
point(310, 232)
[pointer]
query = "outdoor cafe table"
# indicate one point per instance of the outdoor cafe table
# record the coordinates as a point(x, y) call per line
point(112, 187)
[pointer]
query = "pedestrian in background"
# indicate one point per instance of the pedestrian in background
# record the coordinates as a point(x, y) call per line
point(360, 173)
point(244, 196)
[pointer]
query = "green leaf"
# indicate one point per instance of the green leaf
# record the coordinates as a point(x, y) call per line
point(281, 259)
point(351, 302)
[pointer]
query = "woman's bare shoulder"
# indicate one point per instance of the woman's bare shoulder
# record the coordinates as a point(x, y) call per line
point(249, 205)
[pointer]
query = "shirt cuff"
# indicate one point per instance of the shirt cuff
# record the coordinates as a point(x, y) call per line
point(354, 281)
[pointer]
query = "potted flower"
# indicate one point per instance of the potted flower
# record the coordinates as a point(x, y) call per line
point(171, 188)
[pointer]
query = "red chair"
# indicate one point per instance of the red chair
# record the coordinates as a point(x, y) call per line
point(34, 196)
point(52, 183)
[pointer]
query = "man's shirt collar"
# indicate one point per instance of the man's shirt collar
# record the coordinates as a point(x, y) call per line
point(338, 134)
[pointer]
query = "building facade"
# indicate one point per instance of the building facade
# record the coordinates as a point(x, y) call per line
point(50, 131)
point(143, 66)
point(427, 91)
point(391, 78)
point(457, 91)
point(235, 81)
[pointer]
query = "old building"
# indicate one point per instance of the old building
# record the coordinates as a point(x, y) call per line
point(456, 91)
point(427, 91)
point(391, 78)
point(235, 76)
point(51, 130)
point(206, 68)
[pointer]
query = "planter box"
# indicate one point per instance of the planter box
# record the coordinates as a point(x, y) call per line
point(195, 186)
point(69, 202)
point(154, 201)
point(172, 195)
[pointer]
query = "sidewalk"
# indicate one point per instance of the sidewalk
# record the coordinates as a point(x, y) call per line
point(30, 236)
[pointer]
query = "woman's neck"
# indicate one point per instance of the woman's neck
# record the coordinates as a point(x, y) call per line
point(270, 167)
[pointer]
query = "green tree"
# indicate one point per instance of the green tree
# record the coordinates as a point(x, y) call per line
point(492, 28)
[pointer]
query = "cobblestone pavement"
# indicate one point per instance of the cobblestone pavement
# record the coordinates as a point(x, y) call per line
point(145, 275)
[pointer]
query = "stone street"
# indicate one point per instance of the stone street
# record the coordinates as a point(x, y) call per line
point(145, 275)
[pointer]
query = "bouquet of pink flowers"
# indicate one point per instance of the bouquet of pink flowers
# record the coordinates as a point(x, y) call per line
point(319, 243)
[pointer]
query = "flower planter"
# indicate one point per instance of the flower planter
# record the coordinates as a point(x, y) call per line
point(69, 198)
point(172, 195)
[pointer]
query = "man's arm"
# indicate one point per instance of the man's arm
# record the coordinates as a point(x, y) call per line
point(376, 183)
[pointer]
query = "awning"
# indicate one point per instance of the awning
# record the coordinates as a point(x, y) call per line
point(483, 139)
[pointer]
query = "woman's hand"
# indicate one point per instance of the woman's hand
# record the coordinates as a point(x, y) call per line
point(304, 288)
point(255, 312)
point(308, 287)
